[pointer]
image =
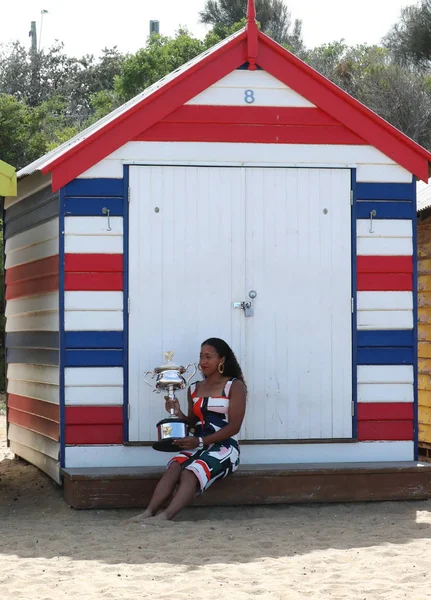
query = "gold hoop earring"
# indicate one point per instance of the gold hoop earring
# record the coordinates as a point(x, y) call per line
point(221, 368)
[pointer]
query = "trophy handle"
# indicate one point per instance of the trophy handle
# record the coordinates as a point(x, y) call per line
point(193, 374)
point(146, 381)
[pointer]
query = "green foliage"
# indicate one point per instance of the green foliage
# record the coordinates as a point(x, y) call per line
point(410, 38)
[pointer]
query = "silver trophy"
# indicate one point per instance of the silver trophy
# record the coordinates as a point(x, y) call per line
point(169, 378)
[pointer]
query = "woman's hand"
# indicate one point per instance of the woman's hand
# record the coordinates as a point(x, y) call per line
point(188, 443)
point(173, 404)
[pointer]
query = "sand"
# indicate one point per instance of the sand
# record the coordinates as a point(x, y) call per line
point(357, 551)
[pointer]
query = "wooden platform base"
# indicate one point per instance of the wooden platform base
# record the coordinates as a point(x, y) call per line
point(257, 484)
point(424, 452)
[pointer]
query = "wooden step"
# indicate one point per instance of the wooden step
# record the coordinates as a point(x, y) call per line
point(257, 484)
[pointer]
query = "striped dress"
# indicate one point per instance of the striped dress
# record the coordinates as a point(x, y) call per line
point(218, 460)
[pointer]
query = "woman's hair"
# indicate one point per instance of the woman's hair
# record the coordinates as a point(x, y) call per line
point(231, 364)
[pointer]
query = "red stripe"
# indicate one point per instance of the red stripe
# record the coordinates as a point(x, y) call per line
point(383, 282)
point(384, 264)
point(94, 415)
point(33, 423)
point(108, 282)
point(385, 411)
point(33, 270)
point(39, 408)
point(89, 434)
point(251, 115)
point(264, 134)
point(93, 263)
point(33, 287)
point(385, 431)
point(197, 409)
point(205, 468)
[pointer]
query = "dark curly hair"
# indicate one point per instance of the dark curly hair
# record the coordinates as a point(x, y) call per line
point(232, 368)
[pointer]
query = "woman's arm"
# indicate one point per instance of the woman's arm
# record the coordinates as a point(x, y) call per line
point(237, 402)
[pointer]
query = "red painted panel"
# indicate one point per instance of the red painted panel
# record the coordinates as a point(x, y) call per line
point(40, 285)
point(40, 425)
point(93, 263)
point(385, 411)
point(265, 134)
point(94, 415)
point(39, 408)
point(107, 282)
point(384, 264)
point(94, 434)
point(32, 270)
point(385, 431)
point(384, 282)
point(251, 115)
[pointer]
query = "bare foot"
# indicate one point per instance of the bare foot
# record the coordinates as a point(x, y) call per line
point(159, 521)
point(145, 515)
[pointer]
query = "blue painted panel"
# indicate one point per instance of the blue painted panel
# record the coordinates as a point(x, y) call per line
point(93, 358)
point(386, 356)
point(33, 339)
point(93, 207)
point(385, 210)
point(386, 191)
point(61, 252)
point(355, 312)
point(42, 214)
point(95, 187)
point(93, 339)
point(30, 203)
point(385, 338)
point(33, 356)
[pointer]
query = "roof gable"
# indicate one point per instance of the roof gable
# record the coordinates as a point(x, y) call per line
point(189, 86)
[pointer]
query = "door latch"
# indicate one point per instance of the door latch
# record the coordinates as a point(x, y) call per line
point(246, 306)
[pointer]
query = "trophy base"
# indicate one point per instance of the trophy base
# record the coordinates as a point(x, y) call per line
point(166, 445)
point(169, 430)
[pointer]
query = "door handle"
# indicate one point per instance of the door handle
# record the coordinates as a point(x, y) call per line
point(247, 307)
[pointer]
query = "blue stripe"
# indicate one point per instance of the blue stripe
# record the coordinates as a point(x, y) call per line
point(355, 312)
point(93, 358)
point(33, 339)
point(385, 210)
point(61, 253)
point(125, 305)
point(33, 356)
point(93, 339)
point(402, 338)
point(89, 207)
point(95, 187)
point(30, 218)
point(386, 356)
point(386, 191)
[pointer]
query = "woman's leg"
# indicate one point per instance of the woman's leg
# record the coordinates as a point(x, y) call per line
point(185, 494)
point(163, 491)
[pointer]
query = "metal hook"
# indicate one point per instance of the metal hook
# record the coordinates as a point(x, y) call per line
point(106, 211)
point(373, 213)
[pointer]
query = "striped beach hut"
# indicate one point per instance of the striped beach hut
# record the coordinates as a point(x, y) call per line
point(243, 196)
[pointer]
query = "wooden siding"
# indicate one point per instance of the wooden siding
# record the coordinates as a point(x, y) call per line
point(424, 326)
point(32, 328)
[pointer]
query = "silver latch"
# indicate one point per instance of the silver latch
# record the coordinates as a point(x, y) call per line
point(246, 306)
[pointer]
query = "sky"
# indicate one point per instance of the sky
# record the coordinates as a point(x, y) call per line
point(87, 26)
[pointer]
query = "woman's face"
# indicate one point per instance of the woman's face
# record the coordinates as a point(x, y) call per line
point(209, 360)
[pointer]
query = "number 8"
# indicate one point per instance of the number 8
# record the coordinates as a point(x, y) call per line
point(249, 97)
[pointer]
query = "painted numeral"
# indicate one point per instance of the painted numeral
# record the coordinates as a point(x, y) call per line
point(249, 97)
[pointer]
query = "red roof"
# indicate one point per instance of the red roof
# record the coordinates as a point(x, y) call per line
point(248, 46)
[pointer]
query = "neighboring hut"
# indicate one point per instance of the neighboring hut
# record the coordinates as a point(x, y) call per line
point(244, 170)
point(7, 180)
point(424, 302)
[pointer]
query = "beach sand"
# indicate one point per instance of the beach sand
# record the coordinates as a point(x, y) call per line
point(344, 551)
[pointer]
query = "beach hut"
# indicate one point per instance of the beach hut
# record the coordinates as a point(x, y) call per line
point(243, 196)
point(7, 180)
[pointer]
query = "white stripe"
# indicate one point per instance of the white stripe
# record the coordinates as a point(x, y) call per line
point(94, 226)
point(94, 377)
point(107, 169)
point(29, 255)
point(93, 301)
point(87, 244)
point(385, 301)
point(21, 306)
point(139, 456)
point(384, 228)
point(382, 174)
point(385, 319)
point(94, 321)
point(40, 391)
point(384, 247)
point(36, 235)
point(39, 373)
point(44, 321)
point(94, 396)
point(38, 442)
point(385, 392)
point(385, 374)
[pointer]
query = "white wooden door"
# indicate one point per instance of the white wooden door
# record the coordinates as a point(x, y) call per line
point(299, 342)
point(186, 263)
point(202, 238)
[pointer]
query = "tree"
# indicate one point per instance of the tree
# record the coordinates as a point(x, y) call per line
point(410, 38)
point(273, 16)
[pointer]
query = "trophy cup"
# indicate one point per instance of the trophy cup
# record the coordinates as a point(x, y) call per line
point(169, 378)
